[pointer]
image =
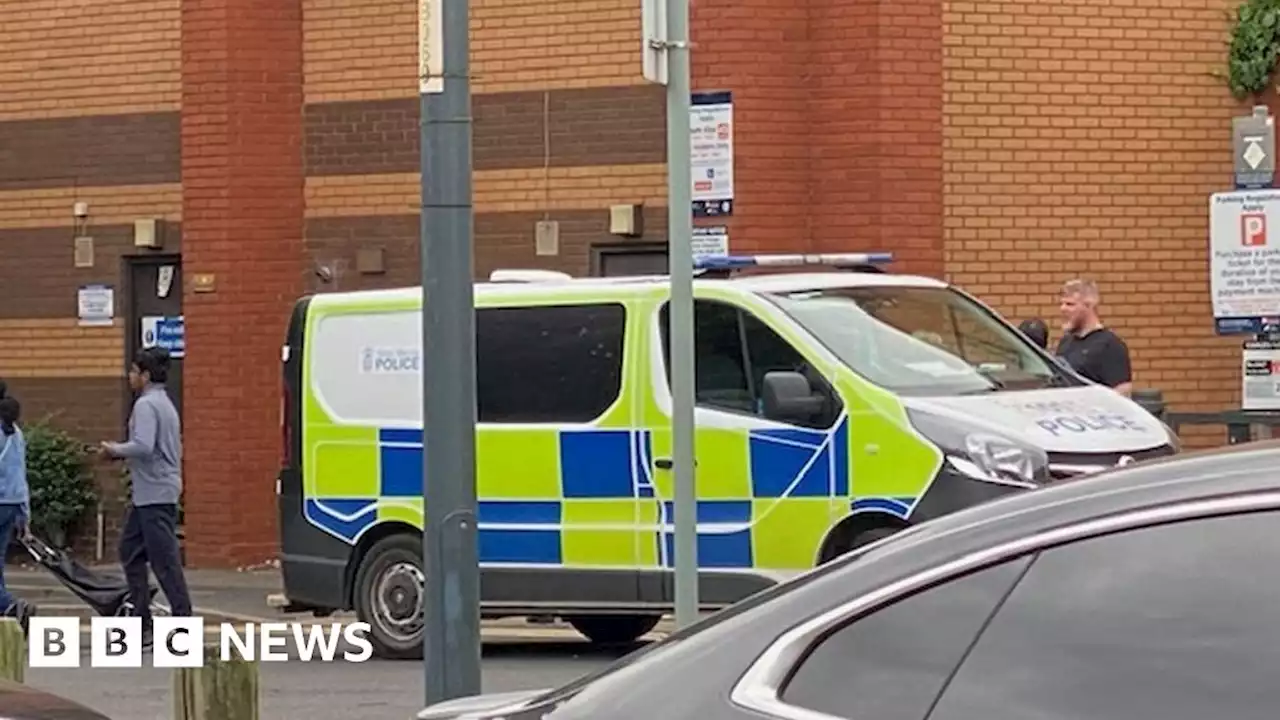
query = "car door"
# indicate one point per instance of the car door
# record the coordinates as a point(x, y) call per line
point(765, 489)
point(1169, 618)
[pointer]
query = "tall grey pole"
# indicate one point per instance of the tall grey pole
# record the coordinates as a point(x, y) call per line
point(680, 232)
point(452, 595)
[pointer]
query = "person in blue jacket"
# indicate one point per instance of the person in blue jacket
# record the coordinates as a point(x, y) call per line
point(15, 499)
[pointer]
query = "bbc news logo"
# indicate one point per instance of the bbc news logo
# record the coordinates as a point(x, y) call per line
point(177, 642)
point(1253, 229)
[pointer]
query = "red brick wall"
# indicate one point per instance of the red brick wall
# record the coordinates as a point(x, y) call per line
point(1085, 138)
point(838, 117)
point(758, 50)
point(242, 174)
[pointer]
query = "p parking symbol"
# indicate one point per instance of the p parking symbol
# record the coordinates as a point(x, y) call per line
point(53, 642)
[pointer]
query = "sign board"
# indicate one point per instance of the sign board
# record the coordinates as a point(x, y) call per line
point(710, 241)
point(1253, 140)
point(167, 332)
point(1260, 376)
point(711, 159)
point(430, 47)
point(97, 305)
point(1244, 260)
point(653, 37)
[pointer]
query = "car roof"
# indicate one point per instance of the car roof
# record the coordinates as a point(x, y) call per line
point(732, 639)
point(539, 283)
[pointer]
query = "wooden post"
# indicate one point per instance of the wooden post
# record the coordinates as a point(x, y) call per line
point(13, 650)
point(218, 691)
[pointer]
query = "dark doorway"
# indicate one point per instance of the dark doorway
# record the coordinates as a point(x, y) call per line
point(155, 315)
point(624, 260)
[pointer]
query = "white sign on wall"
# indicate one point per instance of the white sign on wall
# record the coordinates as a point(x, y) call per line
point(710, 241)
point(711, 148)
point(1260, 376)
point(96, 305)
point(430, 47)
point(1244, 258)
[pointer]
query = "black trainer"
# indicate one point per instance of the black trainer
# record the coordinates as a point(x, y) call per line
point(23, 612)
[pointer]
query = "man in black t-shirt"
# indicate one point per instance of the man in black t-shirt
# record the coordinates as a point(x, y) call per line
point(1091, 349)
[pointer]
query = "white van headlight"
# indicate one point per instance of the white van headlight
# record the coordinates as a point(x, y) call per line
point(983, 455)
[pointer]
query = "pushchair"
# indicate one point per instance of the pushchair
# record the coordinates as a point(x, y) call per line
point(108, 595)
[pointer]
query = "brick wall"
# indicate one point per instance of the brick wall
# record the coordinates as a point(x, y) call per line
point(759, 50)
point(562, 129)
point(242, 173)
point(1084, 138)
point(837, 110)
point(88, 113)
point(87, 57)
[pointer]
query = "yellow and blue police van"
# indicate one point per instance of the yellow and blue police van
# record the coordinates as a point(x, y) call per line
point(836, 403)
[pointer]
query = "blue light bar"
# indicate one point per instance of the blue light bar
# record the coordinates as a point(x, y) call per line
point(731, 262)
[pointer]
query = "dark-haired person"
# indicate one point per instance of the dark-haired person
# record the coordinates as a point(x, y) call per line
point(1036, 331)
point(154, 455)
point(15, 499)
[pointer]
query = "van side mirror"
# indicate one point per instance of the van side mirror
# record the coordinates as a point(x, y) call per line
point(788, 397)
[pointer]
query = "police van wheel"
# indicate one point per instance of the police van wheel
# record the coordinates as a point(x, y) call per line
point(872, 535)
point(613, 629)
point(388, 595)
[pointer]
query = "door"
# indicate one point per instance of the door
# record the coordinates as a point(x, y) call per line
point(630, 260)
point(155, 315)
point(766, 490)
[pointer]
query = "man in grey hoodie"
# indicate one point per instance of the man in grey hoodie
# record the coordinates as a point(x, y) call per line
point(154, 456)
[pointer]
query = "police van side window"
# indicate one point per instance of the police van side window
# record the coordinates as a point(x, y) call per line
point(732, 352)
point(557, 364)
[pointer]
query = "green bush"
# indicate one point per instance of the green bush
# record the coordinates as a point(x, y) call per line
point(1254, 47)
point(60, 477)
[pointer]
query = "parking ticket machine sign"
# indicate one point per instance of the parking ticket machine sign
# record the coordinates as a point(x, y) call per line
point(1244, 261)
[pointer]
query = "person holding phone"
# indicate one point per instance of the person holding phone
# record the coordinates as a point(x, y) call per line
point(154, 456)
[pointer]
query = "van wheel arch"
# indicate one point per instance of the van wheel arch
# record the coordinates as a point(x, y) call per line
point(368, 540)
point(857, 530)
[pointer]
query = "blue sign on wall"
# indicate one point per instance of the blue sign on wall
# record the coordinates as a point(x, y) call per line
point(166, 332)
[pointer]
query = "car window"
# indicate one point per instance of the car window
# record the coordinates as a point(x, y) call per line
point(733, 350)
point(891, 663)
point(548, 364)
point(920, 340)
point(1176, 622)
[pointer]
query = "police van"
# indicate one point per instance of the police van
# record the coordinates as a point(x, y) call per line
point(835, 404)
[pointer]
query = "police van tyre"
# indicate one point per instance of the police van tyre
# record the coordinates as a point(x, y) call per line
point(388, 591)
point(872, 535)
point(613, 629)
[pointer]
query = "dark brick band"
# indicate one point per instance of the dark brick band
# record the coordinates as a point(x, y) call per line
point(502, 240)
point(598, 126)
point(101, 150)
point(40, 279)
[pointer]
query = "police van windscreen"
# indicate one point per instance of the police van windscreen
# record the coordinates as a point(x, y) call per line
point(920, 340)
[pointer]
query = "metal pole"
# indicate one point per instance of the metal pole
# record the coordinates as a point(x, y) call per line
point(680, 232)
point(452, 595)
